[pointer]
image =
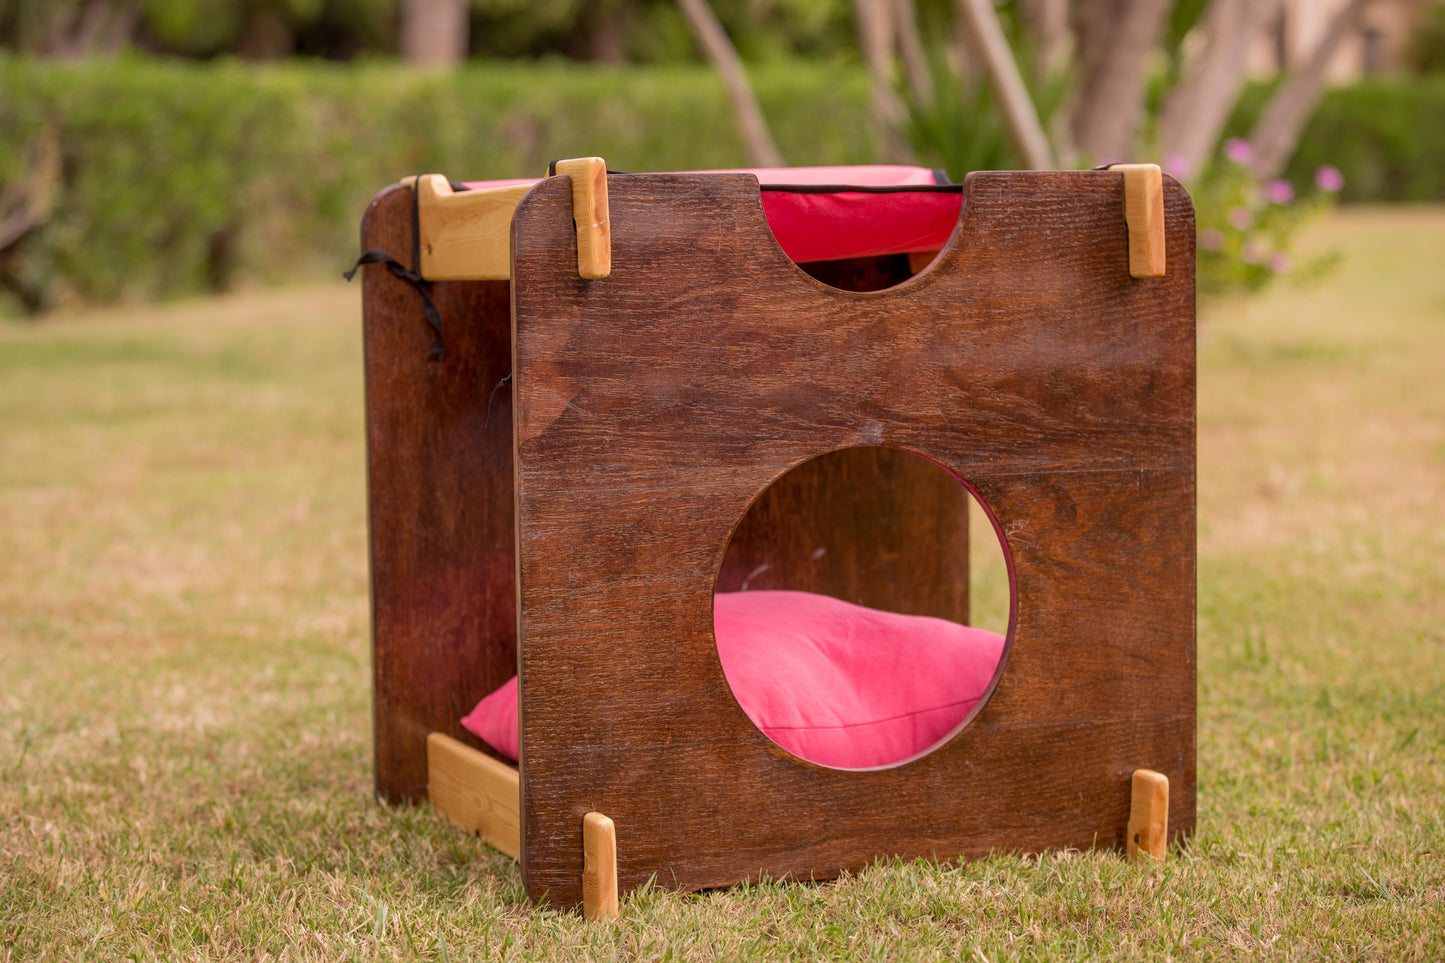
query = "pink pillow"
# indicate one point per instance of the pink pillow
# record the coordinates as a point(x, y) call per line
point(835, 683)
point(847, 686)
point(494, 720)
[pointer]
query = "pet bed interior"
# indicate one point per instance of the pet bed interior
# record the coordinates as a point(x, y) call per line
point(834, 683)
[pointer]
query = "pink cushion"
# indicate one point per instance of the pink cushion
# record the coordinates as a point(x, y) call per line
point(812, 225)
point(494, 720)
point(847, 686)
point(835, 683)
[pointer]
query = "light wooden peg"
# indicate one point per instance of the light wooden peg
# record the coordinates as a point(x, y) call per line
point(1144, 215)
point(1149, 815)
point(599, 867)
point(589, 211)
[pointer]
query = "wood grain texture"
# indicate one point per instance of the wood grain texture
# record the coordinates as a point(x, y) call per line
point(872, 526)
point(475, 792)
point(466, 235)
point(654, 405)
point(1148, 815)
point(439, 456)
point(599, 867)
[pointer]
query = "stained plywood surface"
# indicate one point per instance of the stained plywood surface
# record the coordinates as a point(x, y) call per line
point(655, 404)
point(439, 479)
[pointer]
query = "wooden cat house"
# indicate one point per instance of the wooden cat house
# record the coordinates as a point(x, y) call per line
point(580, 389)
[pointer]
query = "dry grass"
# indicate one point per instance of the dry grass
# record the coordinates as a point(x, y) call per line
point(184, 681)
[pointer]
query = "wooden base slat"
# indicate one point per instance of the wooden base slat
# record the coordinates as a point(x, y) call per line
point(476, 792)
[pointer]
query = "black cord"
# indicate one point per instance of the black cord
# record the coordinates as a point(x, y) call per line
point(410, 275)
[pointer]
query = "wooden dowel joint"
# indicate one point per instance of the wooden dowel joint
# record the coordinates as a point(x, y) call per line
point(1144, 215)
point(1148, 816)
point(599, 867)
point(589, 211)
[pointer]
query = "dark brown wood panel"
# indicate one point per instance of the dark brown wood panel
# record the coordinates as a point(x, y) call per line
point(873, 526)
point(654, 406)
point(439, 454)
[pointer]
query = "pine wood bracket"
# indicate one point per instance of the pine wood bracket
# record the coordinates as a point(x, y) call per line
point(1144, 214)
point(467, 235)
point(1149, 816)
point(476, 792)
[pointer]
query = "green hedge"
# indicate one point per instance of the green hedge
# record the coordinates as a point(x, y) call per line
point(181, 177)
point(1386, 136)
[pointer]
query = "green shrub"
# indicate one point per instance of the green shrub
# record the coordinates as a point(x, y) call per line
point(181, 177)
point(1386, 136)
point(1245, 227)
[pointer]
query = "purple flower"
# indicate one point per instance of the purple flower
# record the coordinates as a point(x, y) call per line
point(1211, 239)
point(1175, 164)
point(1279, 192)
point(1238, 150)
point(1252, 253)
point(1279, 262)
point(1329, 178)
point(1241, 218)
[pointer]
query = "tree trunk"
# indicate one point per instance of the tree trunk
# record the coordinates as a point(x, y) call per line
point(98, 27)
point(910, 45)
point(434, 32)
point(26, 202)
point(1276, 133)
point(719, 49)
point(1115, 41)
point(988, 43)
point(1047, 24)
point(1197, 109)
point(876, 37)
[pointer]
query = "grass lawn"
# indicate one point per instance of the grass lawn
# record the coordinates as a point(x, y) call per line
point(185, 689)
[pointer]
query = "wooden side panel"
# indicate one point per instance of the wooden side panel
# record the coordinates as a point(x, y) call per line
point(655, 404)
point(872, 526)
point(439, 456)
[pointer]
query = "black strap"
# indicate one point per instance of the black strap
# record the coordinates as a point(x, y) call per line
point(410, 275)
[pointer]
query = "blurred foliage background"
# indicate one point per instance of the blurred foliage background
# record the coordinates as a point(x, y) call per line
point(153, 148)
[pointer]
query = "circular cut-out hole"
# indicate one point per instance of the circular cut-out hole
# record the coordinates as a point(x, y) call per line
point(861, 608)
point(878, 273)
